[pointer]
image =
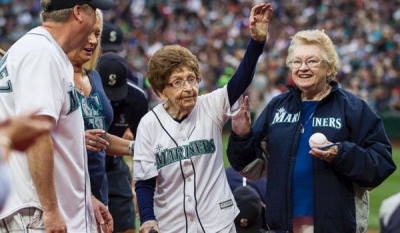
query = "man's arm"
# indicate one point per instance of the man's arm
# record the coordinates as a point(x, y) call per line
point(40, 158)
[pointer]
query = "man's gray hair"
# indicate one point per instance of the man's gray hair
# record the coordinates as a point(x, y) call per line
point(58, 16)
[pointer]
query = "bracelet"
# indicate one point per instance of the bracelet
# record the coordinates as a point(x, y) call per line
point(130, 147)
point(6, 142)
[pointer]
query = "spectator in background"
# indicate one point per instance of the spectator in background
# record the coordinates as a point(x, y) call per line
point(129, 105)
point(50, 185)
point(389, 214)
point(112, 41)
point(394, 100)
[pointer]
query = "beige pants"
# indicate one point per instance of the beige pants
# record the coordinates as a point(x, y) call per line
point(24, 220)
point(303, 225)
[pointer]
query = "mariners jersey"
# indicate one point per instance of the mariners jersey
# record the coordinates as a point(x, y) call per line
point(187, 159)
point(41, 76)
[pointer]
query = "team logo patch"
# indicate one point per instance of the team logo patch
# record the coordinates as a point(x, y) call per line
point(226, 204)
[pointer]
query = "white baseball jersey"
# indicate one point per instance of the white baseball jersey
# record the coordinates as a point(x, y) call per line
point(36, 73)
point(192, 192)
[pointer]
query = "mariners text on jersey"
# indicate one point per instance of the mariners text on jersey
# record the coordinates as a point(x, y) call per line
point(283, 116)
point(171, 155)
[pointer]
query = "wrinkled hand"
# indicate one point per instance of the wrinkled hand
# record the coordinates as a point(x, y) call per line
point(54, 222)
point(328, 154)
point(259, 21)
point(148, 225)
point(23, 130)
point(104, 219)
point(94, 140)
point(241, 122)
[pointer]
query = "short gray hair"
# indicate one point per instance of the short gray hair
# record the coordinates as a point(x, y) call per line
point(59, 16)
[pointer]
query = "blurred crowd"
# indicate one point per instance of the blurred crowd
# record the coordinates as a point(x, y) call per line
point(366, 32)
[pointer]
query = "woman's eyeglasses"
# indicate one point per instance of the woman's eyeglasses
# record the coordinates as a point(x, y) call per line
point(311, 63)
point(180, 83)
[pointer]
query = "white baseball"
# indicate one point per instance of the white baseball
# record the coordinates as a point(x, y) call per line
point(317, 140)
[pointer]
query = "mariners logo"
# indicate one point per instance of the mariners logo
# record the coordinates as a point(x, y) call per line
point(283, 116)
point(167, 156)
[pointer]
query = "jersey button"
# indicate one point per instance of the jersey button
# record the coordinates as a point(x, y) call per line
point(189, 199)
point(191, 219)
point(189, 179)
point(186, 164)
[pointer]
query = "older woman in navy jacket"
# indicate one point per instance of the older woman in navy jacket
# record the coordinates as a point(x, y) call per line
point(311, 189)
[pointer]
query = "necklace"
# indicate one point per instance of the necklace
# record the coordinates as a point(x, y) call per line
point(80, 87)
point(302, 126)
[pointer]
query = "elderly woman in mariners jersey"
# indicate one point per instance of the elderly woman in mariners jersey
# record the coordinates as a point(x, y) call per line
point(311, 189)
point(179, 145)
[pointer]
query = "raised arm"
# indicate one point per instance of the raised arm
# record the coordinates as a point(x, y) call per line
point(259, 21)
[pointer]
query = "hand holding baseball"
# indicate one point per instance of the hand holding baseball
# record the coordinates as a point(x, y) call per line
point(318, 140)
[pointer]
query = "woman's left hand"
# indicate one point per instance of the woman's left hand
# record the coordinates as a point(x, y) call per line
point(94, 140)
point(327, 154)
point(259, 20)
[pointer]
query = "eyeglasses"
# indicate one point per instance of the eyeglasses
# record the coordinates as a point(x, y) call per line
point(180, 83)
point(311, 63)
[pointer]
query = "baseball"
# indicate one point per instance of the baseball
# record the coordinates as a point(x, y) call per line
point(317, 140)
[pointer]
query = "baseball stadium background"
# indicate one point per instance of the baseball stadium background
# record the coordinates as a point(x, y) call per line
point(366, 33)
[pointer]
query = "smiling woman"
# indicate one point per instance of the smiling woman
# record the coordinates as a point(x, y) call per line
point(327, 189)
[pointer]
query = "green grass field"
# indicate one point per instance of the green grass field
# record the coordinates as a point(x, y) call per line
point(386, 189)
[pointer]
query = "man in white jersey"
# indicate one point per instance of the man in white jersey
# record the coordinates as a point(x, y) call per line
point(50, 189)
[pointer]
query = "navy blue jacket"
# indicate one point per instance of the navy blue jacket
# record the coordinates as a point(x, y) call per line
point(364, 159)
